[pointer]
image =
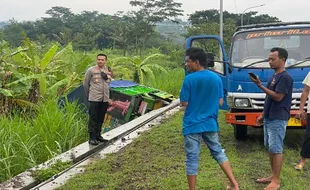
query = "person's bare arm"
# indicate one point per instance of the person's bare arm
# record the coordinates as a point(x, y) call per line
point(303, 99)
point(184, 104)
point(272, 94)
point(221, 101)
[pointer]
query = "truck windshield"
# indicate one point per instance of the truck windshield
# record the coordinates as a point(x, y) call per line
point(250, 47)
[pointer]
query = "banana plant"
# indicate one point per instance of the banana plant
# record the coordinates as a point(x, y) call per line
point(143, 69)
point(41, 71)
point(71, 76)
point(31, 72)
point(8, 95)
point(120, 72)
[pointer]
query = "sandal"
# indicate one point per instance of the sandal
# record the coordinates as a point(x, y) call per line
point(263, 180)
point(299, 167)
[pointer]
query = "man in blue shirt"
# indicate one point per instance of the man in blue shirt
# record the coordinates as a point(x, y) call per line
point(276, 113)
point(201, 94)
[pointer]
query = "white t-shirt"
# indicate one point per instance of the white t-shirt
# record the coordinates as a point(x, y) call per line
point(307, 82)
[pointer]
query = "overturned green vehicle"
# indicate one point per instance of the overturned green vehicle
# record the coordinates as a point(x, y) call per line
point(130, 100)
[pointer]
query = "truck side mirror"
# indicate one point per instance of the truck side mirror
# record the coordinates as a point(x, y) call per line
point(210, 59)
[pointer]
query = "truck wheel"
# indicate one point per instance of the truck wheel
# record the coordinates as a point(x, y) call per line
point(240, 132)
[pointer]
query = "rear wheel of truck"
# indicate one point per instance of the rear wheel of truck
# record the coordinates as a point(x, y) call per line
point(240, 132)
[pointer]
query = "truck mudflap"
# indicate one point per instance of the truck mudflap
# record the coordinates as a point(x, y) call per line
point(249, 119)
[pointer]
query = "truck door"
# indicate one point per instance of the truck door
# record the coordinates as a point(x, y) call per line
point(214, 44)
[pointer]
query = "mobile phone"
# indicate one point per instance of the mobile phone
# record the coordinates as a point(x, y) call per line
point(253, 75)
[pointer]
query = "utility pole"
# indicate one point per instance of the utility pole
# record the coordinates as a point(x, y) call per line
point(221, 28)
point(221, 19)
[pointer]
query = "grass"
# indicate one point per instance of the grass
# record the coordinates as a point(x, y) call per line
point(28, 141)
point(163, 81)
point(156, 161)
point(44, 174)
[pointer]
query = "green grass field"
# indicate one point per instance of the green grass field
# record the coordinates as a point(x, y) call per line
point(156, 161)
point(28, 141)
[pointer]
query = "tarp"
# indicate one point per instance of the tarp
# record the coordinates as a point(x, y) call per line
point(122, 83)
point(78, 95)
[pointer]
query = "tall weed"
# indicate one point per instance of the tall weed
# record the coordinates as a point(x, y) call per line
point(29, 141)
point(170, 82)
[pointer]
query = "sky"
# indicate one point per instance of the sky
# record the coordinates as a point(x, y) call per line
point(24, 10)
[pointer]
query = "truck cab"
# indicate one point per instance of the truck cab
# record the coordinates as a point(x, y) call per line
point(248, 53)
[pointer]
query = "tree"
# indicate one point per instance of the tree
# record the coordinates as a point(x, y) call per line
point(213, 15)
point(201, 17)
point(61, 13)
point(106, 24)
point(56, 22)
point(87, 39)
point(122, 31)
point(152, 12)
point(13, 33)
point(252, 18)
point(64, 37)
point(157, 10)
point(1, 35)
point(213, 28)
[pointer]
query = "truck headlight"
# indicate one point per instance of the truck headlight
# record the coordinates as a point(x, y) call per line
point(242, 102)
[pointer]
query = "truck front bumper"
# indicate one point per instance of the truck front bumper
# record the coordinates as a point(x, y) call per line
point(249, 119)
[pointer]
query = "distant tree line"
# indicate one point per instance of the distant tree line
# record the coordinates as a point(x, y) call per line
point(90, 30)
point(133, 31)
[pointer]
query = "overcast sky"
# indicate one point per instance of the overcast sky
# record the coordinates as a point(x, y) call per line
point(295, 10)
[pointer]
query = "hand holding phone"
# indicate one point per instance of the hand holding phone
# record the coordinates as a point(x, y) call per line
point(253, 76)
point(255, 79)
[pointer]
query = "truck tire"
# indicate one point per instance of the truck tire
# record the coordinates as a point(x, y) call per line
point(240, 132)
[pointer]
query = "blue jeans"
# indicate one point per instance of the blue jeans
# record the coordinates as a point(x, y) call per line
point(192, 148)
point(274, 133)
